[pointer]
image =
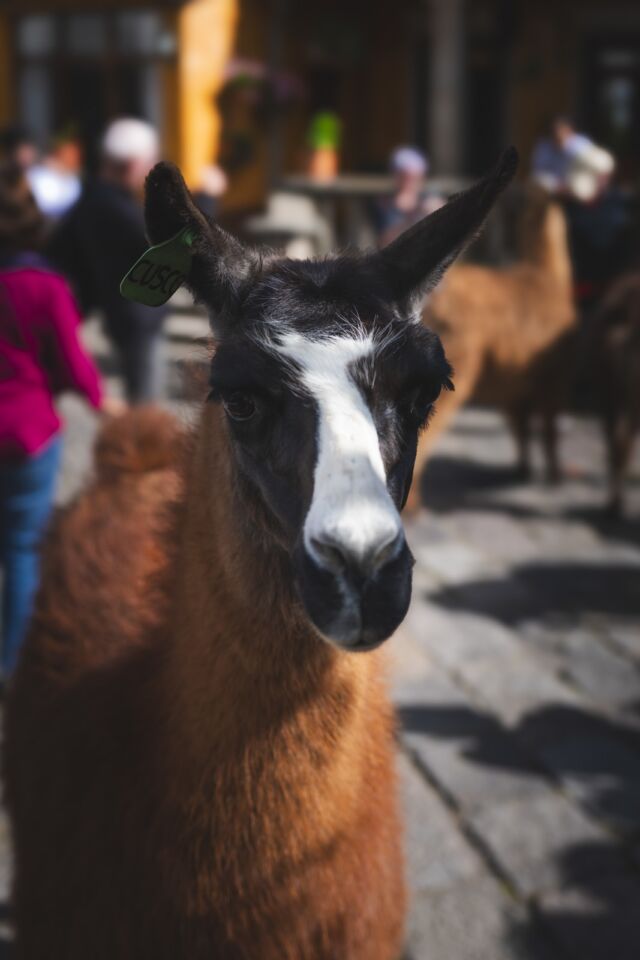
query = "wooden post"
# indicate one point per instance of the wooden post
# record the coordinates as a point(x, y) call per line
point(6, 86)
point(276, 43)
point(446, 85)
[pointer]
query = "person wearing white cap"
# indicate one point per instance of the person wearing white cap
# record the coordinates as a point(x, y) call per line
point(569, 164)
point(410, 201)
point(579, 173)
point(99, 239)
point(129, 149)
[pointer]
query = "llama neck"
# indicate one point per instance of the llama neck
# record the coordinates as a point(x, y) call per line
point(242, 658)
point(548, 249)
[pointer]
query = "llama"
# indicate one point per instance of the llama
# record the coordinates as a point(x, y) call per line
point(199, 747)
point(508, 332)
point(614, 368)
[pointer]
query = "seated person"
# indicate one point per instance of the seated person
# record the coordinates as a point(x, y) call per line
point(410, 200)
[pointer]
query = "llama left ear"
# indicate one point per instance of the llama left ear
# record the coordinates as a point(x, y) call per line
point(220, 264)
point(416, 260)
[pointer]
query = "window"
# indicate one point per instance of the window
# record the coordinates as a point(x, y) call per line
point(35, 100)
point(86, 34)
point(78, 70)
point(139, 32)
point(36, 36)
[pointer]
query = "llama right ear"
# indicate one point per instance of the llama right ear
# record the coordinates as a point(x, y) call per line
point(220, 264)
point(413, 263)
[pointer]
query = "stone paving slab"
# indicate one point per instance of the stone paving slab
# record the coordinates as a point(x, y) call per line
point(517, 690)
point(602, 673)
point(438, 855)
point(626, 637)
point(474, 920)
point(531, 840)
point(453, 641)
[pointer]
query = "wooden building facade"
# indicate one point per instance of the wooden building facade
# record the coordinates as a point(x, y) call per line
point(240, 80)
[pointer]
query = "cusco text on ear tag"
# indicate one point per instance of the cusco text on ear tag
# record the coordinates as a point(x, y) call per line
point(156, 276)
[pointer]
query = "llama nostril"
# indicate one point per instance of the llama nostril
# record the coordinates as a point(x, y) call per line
point(330, 554)
point(341, 558)
point(385, 553)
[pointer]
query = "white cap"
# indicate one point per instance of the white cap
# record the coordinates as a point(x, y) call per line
point(409, 160)
point(130, 139)
point(589, 169)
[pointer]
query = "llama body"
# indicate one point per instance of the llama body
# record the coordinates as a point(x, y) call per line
point(508, 333)
point(174, 854)
point(199, 759)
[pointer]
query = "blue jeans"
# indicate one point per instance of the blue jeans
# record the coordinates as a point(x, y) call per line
point(26, 501)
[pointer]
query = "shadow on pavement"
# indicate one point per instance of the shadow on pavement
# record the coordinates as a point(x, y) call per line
point(451, 483)
point(594, 758)
point(593, 916)
point(626, 528)
point(485, 740)
point(592, 912)
point(533, 590)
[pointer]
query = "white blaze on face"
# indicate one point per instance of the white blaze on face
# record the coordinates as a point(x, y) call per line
point(351, 506)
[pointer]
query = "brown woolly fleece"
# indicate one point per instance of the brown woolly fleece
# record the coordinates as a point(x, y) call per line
point(508, 334)
point(192, 774)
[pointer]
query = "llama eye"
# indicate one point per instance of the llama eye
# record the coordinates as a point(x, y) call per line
point(420, 402)
point(239, 406)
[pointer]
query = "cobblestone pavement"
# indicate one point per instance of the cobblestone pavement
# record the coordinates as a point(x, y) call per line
point(518, 684)
point(517, 678)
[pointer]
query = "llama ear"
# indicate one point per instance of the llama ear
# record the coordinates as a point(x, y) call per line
point(414, 262)
point(220, 264)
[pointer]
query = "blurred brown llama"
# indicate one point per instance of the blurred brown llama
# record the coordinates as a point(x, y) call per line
point(508, 332)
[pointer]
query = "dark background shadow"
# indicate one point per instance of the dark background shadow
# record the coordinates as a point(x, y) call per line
point(534, 590)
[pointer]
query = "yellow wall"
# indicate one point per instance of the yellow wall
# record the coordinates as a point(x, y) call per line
point(206, 31)
point(248, 185)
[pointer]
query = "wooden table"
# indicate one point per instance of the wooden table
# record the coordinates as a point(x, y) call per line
point(351, 192)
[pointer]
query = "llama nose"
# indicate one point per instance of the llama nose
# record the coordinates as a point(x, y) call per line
point(340, 557)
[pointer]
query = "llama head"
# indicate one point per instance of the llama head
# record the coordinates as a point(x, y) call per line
point(325, 375)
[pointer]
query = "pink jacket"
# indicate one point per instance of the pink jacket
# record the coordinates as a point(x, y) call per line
point(40, 355)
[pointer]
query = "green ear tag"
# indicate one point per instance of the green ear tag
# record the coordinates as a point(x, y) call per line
point(156, 276)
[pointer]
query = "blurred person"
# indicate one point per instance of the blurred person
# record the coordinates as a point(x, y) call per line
point(213, 185)
point(99, 239)
point(410, 200)
point(569, 164)
point(578, 172)
point(55, 181)
point(40, 356)
point(17, 146)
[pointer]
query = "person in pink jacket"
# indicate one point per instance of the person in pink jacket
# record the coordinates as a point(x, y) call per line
point(40, 356)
